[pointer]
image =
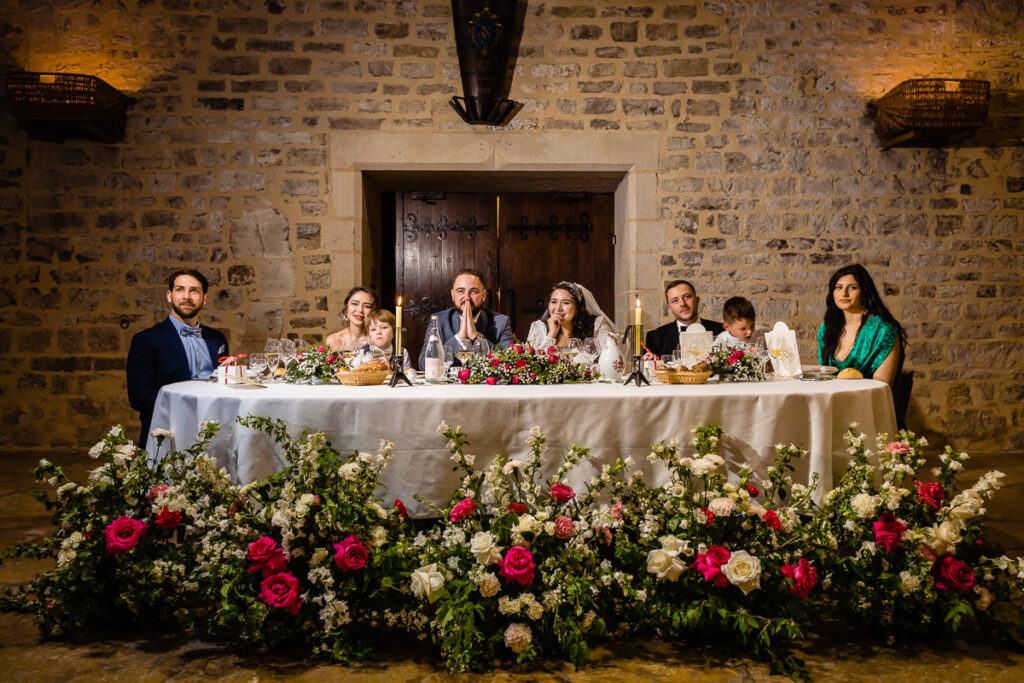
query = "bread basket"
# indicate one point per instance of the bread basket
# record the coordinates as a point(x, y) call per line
point(681, 375)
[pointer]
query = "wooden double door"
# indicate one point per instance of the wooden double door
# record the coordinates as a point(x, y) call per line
point(522, 244)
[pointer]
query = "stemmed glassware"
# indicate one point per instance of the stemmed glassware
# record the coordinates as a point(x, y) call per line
point(272, 350)
point(573, 348)
point(289, 349)
point(589, 352)
point(257, 364)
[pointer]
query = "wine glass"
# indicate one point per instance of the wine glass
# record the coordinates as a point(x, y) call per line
point(289, 349)
point(590, 352)
point(257, 364)
point(572, 348)
point(272, 350)
point(465, 349)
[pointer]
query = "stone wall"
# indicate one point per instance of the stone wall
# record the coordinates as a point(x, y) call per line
point(770, 175)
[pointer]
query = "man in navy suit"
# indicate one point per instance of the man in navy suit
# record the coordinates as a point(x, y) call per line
point(468, 320)
point(684, 304)
point(174, 350)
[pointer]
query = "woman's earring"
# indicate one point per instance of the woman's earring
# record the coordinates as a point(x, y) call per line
point(344, 317)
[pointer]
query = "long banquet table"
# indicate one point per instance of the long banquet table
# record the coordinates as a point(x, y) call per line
point(611, 419)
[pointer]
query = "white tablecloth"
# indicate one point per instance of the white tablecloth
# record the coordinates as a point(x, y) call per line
point(612, 420)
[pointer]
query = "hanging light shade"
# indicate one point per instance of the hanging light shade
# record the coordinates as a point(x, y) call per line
point(931, 109)
point(56, 106)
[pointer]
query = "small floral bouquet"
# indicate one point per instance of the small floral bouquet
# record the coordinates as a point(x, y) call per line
point(737, 364)
point(520, 364)
point(314, 367)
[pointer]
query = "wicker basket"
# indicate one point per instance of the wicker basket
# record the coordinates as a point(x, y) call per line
point(361, 379)
point(62, 105)
point(932, 106)
point(681, 376)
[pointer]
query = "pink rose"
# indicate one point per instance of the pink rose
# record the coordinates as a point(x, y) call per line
point(402, 512)
point(264, 556)
point(320, 349)
point(350, 554)
point(928, 553)
point(561, 493)
point(155, 492)
point(709, 564)
point(950, 573)
point(492, 380)
point(898, 447)
point(167, 519)
point(464, 373)
point(281, 590)
point(617, 510)
point(804, 577)
point(124, 533)
point(888, 532)
point(772, 520)
point(462, 509)
point(564, 527)
point(517, 565)
point(931, 494)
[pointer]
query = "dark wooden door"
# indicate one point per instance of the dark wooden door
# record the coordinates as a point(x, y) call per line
point(542, 238)
point(550, 237)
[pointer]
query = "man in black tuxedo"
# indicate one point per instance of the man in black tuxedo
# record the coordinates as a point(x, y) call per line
point(176, 349)
point(468, 319)
point(684, 304)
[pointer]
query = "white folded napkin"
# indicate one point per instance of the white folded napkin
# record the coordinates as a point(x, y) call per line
point(783, 350)
point(694, 345)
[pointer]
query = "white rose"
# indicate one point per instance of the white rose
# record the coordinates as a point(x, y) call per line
point(518, 637)
point(381, 512)
point(535, 611)
point(864, 505)
point(908, 582)
point(743, 571)
point(527, 524)
point(348, 471)
point(489, 585)
point(673, 546)
point(664, 565)
point(483, 548)
point(426, 582)
point(379, 535)
point(722, 506)
point(756, 509)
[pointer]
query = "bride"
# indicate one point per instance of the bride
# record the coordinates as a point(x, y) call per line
point(572, 313)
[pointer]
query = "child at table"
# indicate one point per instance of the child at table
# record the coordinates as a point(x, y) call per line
point(382, 334)
point(738, 328)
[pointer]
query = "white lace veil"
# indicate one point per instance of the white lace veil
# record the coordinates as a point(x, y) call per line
point(601, 321)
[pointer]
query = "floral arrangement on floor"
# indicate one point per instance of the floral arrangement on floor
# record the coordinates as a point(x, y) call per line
point(736, 364)
point(520, 364)
point(529, 557)
point(314, 366)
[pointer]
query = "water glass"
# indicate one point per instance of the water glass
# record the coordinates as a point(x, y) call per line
point(272, 350)
point(288, 351)
point(257, 364)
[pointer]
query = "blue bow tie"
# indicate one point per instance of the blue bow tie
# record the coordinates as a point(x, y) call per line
point(191, 331)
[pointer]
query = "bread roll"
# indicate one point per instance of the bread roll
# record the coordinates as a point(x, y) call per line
point(850, 373)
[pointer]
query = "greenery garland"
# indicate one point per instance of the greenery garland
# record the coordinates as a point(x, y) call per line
point(519, 565)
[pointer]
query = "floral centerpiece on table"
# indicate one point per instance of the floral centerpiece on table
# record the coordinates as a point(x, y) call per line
point(314, 366)
point(737, 364)
point(519, 364)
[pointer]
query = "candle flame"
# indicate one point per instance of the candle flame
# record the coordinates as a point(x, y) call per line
point(638, 302)
point(399, 301)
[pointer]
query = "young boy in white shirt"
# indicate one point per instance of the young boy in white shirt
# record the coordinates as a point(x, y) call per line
point(738, 327)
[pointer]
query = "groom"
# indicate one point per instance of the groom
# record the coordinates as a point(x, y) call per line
point(684, 304)
point(174, 350)
point(468, 319)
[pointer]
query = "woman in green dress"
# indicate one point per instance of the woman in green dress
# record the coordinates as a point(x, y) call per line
point(859, 331)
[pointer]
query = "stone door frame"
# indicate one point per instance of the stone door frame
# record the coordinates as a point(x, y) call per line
point(640, 233)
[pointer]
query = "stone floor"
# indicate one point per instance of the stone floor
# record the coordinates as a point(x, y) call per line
point(130, 656)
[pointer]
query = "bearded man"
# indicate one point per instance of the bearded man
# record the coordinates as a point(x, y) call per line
point(684, 304)
point(468, 320)
point(176, 349)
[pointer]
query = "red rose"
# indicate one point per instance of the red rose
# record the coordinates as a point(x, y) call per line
point(124, 533)
point(330, 359)
point(402, 512)
point(561, 493)
point(552, 359)
point(464, 373)
point(888, 532)
point(931, 494)
point(530, 349)
point(564, 527)
point(520, 363)
point(772, 520)
point(517, 565)
point(552, 349)
point(517, 348)
point(709, 514)
point(515, 380)
point(167, 519)
point(281, 590)
point(804, 577)
point(517, 508)
point(495, 363)
point(264, 556)
point(350, 554)
point(950, 573)
point(320, 349)
point(462, 509)
point(709, 564)
point(492, 380)
point(533, 375)
point(752, 490)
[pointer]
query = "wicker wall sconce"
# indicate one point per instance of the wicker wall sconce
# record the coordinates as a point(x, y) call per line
point(930, 110)
point(57, 106)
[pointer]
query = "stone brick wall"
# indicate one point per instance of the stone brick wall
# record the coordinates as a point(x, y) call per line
point(770, 174)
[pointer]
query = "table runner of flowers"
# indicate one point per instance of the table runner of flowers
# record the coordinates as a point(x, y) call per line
point(519, 566)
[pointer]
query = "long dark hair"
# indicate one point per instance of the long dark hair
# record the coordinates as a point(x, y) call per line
point(870, 300)
point(351, 293)
point(583, 321)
